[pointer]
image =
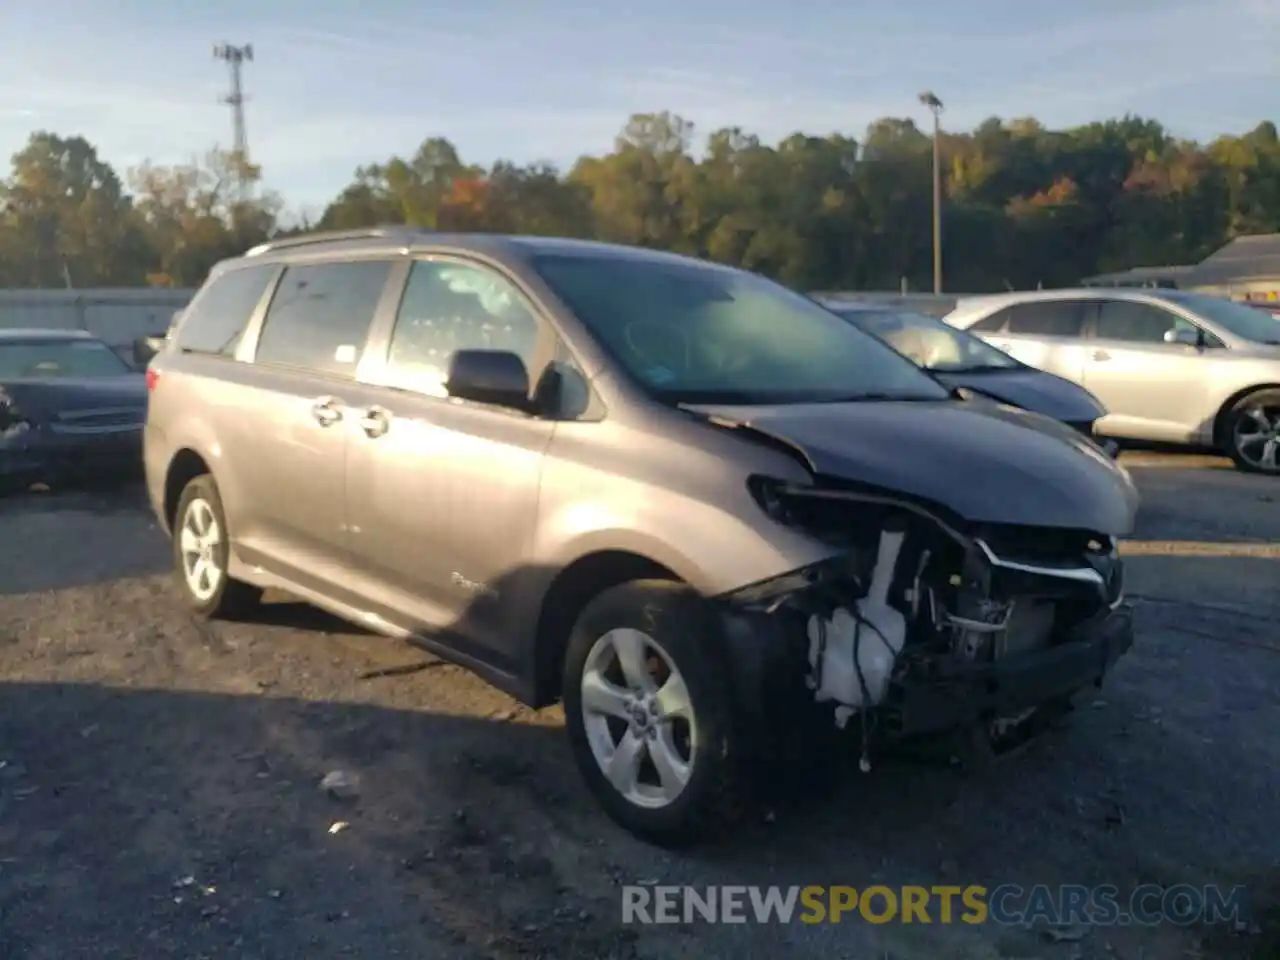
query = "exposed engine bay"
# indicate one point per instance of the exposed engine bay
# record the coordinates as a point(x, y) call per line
point(924, 621)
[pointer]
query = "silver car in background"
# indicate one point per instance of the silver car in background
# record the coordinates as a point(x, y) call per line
point(1170, 366)
point(962, 361)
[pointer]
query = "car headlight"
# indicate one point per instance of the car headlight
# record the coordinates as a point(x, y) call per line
point(767, 492)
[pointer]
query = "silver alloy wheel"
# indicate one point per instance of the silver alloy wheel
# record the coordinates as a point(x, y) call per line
point(638, 717)
point(198, 542)
point(1257, 439)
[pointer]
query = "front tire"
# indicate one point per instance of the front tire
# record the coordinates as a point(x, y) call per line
point(202, 554)
point(650, 716)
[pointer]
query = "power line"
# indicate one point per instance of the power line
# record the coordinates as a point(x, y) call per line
point(236, 57)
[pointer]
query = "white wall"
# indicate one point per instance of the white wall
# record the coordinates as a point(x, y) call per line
point(118, 316)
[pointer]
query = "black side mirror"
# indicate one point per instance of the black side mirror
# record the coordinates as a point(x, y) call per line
point(498, 377)
point(144, 348)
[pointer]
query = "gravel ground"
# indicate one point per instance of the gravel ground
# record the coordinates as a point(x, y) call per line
point(159, 777)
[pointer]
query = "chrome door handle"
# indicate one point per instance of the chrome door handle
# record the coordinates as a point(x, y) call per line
point(375, 422)
point(1006, 347)
point(1101, 355)
point(326, 411)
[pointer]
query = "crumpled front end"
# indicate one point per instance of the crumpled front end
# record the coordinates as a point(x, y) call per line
point(926, 624)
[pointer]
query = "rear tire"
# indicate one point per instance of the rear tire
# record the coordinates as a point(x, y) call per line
point(202, 554)
point(1253, 428)
point(645, 678)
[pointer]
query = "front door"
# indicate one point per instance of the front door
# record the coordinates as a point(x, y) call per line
point(1152, 389)
point(442, 495)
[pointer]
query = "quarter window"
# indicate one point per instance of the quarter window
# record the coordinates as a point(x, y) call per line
point(990, 324)
point(449, 306)
point(215, 321)
point(320, 315)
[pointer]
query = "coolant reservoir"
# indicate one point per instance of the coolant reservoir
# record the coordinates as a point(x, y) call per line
point(861, 655)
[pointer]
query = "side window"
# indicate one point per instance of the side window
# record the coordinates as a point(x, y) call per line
point(1047, 318)
point(992, 323)
point(320, 315)
point(216, 319)
point(449, 306)
point(1137, 322)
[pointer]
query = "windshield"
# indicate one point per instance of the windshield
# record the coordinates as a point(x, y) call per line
point(697, 333)
point(1247, 323)
point(930, 342)
point(40, 358)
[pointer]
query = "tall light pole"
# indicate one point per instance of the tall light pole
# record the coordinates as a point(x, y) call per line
point(930, 100)
point(236, 57)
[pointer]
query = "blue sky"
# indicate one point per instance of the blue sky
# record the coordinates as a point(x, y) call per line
point(337, 83)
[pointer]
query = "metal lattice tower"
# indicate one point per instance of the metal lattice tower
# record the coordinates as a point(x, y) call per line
point(236, 57)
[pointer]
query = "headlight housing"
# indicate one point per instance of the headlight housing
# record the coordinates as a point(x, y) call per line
point(767, 492)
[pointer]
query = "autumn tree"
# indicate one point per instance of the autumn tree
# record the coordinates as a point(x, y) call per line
point(65, 218)
point(1022, 204)
point(196, 214)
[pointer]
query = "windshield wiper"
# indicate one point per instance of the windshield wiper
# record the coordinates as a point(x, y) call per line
point(973, 368)
point(880, 397)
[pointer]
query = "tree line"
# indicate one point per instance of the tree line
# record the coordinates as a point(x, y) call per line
point(1023, 205)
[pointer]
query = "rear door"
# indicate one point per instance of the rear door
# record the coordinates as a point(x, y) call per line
point(1045, 334)
point(287, 442)
point(205, 364)
point(1152, 389)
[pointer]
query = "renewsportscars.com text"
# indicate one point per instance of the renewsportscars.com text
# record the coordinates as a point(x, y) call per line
point(1105, 905)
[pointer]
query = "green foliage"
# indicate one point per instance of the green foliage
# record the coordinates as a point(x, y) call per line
point(1023, 205)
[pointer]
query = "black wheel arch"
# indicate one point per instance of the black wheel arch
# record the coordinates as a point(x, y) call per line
point(185, 466)
point(572, 589)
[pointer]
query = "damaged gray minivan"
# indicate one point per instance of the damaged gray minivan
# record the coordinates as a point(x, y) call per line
point(717, 522)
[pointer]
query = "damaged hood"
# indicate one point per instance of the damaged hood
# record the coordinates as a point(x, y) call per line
point(985, 462)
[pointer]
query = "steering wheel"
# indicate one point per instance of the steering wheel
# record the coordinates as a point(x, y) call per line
point(659, 345)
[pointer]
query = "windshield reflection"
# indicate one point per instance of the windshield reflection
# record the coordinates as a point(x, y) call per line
point(697, 333)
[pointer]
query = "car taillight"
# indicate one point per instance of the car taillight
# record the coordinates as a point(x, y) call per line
point(153, 377)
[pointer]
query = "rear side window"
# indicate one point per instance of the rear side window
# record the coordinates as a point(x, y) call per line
point(215, 321)
point(1049, 318)
point(990, 324)
point(320, 315)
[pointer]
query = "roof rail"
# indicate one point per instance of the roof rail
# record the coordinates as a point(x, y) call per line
point(333, 236)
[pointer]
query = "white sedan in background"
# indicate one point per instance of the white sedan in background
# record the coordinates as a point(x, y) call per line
point(1169, 366)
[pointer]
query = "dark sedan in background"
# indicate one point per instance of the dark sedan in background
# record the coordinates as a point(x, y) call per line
point(70, 408)
point(962, 361)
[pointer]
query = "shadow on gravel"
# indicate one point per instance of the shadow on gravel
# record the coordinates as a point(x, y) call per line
point(282, 610)
point(157, 823)
point(78, 537)
point(97, 500)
